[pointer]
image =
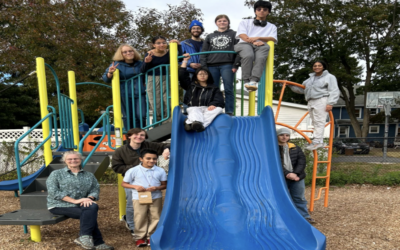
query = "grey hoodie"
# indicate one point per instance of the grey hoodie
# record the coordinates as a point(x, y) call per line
point(320, 86)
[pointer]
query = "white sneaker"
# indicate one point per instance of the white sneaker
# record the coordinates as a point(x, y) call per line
point(251, 86)
point(314, 146)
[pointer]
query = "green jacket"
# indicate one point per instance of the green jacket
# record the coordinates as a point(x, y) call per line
point(126, 157)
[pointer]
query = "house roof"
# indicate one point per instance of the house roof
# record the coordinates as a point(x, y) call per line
point(359, 101)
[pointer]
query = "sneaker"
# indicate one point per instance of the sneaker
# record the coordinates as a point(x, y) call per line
point(310, 220)
point(148, 242)
point(126, 222)
point(141, 243)
point(105, 247)
point(85, 241)
point(133, 233)
point(197, 126)
point(188, 127)
point(251, 86)
point(314, 146)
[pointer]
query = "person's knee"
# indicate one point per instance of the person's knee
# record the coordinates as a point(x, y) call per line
point(94, 207)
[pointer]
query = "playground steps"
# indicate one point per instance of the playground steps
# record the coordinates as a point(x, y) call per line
point(34, 198)
point(160, 133)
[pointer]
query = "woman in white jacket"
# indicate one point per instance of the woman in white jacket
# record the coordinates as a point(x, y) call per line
point(321, 92)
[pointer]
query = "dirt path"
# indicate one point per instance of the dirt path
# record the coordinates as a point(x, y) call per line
point(358, 217)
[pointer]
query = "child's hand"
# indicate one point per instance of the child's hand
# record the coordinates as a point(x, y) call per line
point(195, 65)
point(186, 57)
point(234, 70)
point(149, 57)
point(140, 189)
point(212, 107)
point(291, 176)
point(328, 108)
point(174, 41)
point(258, 43)
point(166, 154)
point(151, 189)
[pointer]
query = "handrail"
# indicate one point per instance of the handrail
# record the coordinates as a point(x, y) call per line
point(93, 83)
point(82, 117)
point(209, 52)
point(105, 117)
point(16, 144)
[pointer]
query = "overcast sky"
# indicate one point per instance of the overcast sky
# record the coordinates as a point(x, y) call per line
point(234, 9)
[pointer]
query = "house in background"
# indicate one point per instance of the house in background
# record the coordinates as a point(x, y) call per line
point(290, 113)
point(343, 126)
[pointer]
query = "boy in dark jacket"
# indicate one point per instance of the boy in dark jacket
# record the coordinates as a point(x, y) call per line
point(293, 164)
point(204, 99)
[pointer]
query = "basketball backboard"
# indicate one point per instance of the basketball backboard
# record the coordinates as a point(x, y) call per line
point(378, 99)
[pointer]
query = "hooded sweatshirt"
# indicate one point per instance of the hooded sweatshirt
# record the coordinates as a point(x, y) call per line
point(220, 41)
point(197, 95)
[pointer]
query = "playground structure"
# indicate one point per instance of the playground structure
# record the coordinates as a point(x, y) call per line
point(69, 124)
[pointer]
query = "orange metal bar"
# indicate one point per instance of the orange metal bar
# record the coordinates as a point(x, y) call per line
point(316, 162)
point(302, 118)
point(319, 193)
point(280, 101)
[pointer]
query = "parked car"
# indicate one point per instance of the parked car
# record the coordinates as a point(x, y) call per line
point(359, 147)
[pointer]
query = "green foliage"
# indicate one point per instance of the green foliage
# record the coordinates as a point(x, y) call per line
point(18, 107)
point(109, 177)
point(70, 35)
point(345, 34)
point(172, 23)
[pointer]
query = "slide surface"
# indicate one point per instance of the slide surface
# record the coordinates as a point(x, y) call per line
point(226, 190)
point(12, 185)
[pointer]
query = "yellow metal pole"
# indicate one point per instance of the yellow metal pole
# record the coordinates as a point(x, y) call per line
point(41, 75)
point(116, 92)
point(269, 77)
point(74, 108)
point(252, 103)
point(36, 236)
point(173, 55)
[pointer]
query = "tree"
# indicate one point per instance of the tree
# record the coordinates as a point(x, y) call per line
point(172, 23)
point(359, 39)
point(19, 106)
point(73, 35)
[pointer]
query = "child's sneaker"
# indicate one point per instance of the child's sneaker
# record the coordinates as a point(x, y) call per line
point(85, 241)
point(314, 146)
point(141, 243)
point(251, 86)
point(198, 126)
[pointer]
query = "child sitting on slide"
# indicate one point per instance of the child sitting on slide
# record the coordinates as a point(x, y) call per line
point(204, 99)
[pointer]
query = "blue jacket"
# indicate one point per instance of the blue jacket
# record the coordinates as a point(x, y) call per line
point(187, 47)
point(126, 72)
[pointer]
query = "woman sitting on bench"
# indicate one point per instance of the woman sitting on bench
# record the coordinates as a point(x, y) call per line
point(72, 192)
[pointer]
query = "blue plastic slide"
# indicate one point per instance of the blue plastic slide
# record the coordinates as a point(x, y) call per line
point(12, 185)
point(226, 190)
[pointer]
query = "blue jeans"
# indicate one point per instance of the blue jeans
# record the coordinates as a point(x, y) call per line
point(87, 217)
point(129, 208)
point(225, 71)
point(134, 116)
point(296, 190)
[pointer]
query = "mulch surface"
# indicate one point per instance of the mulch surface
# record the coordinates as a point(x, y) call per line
point(358, 217)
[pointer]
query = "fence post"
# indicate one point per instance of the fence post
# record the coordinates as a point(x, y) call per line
point(116, 92)
point(173, 53)
point(269, 76)
point(74, 108)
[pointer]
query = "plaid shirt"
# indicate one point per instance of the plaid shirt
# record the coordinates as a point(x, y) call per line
point(63, 183)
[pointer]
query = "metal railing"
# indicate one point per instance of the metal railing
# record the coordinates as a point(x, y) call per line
point(52, 119)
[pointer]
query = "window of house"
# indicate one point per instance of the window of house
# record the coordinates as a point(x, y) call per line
point(373, 111)
point(358, 112)
point(343, 131)
point(374, 129)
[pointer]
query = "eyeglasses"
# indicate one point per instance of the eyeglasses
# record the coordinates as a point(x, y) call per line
point(128, 51)
point(73, 159)
point(264, 9)
point(202, 74)
point(161, 43)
